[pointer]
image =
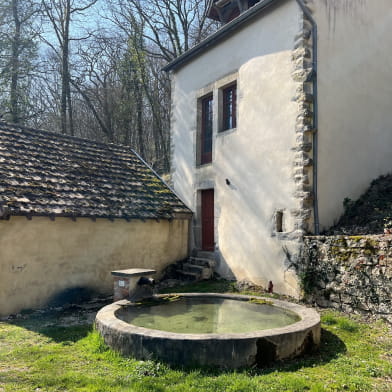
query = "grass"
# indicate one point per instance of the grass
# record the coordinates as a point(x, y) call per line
point(40, 356)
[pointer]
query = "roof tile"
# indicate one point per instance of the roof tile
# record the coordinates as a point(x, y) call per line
point(44, 173)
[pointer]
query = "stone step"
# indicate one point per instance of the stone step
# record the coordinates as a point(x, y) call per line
point(202, 261)
point(204, 254)
point(192, 267)
point(204, 271)
point(189, 276)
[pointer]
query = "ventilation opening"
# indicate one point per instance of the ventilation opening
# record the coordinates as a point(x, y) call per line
point(279, 221)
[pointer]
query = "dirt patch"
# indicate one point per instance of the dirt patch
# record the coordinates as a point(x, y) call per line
point(370, 213)
point(63, 316)
point(10, 368)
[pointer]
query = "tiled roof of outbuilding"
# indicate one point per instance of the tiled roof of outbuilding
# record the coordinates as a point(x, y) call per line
point(44, 173)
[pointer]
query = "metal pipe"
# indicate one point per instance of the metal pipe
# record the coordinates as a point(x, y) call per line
point(315, 112)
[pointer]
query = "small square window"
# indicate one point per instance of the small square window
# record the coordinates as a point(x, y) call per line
point(229, 107)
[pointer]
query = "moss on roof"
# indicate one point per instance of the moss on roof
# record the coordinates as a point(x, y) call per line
point(44, 173)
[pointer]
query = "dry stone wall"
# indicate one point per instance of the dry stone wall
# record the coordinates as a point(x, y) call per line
point(349, 273)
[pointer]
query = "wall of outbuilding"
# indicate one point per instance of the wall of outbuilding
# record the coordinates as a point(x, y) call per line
point(40, 258)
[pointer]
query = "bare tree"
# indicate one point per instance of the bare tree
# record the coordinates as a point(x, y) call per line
point(156, 31)
point(105, 84)
point(61, 13)
point(171, 26)
point(18, 51)
point(97, 81)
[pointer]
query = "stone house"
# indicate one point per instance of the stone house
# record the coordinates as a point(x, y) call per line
point(73, 210)
point(277, 117)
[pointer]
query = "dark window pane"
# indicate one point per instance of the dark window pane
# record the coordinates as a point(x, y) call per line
point(206, 130)
point(229, 107)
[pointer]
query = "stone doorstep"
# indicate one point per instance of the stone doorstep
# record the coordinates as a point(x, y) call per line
point(193, 267)
point(202, 261)
point(189, 276)
point(204, 272)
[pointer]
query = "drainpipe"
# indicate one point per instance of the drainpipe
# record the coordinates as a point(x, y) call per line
point(315, 112)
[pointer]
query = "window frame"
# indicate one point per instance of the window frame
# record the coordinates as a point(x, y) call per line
point(215, 91)
point(228, 116)
point(206, 128)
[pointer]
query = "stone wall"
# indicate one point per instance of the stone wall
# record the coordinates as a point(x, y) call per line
point(349, 273)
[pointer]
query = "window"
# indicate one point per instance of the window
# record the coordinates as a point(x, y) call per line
point(206, 129)
point(216, 112)
point(229, 107)
point(279, 221)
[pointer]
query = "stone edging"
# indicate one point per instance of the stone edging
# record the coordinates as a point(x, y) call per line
point(210, 349)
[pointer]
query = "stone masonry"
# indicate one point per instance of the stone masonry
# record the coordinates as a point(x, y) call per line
point(303, 74)
point(349, 273)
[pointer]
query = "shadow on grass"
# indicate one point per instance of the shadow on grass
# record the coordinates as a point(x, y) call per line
point(59, 334)
point(48, 324)
point(65, 325)
point(331, 346)
point(66, 334)
point(68, 317)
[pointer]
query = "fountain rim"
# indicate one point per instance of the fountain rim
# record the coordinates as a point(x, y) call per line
point(309, 318)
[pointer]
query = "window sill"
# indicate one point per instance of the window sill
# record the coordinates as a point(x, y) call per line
point(226, 132)
point(201, 165)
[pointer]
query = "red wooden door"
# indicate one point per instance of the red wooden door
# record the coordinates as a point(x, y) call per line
point(207, 219)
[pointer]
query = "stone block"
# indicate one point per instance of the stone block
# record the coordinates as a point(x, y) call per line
point(323, 303)
point(301, 53)
point(334, 297)
point(347, 308)
point(303, 75)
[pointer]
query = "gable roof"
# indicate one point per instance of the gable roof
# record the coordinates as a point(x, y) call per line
point(224, 32)
point(48, 174)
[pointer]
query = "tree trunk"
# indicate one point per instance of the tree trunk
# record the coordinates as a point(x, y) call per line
point(139, 119)
point(65, 79)
point(14, 99)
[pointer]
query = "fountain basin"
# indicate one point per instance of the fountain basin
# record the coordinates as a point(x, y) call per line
point(258, 347)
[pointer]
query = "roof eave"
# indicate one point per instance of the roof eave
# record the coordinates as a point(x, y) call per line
point(182, 215)
point(223, 32)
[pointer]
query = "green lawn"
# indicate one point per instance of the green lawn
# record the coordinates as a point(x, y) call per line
point(38, 355)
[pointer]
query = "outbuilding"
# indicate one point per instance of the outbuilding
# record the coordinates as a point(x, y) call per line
point(73, 210)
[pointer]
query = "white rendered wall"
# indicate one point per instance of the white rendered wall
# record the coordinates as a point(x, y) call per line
point(257, 156)
point(355, 99)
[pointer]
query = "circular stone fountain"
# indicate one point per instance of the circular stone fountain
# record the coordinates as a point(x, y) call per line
point(224, 330)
